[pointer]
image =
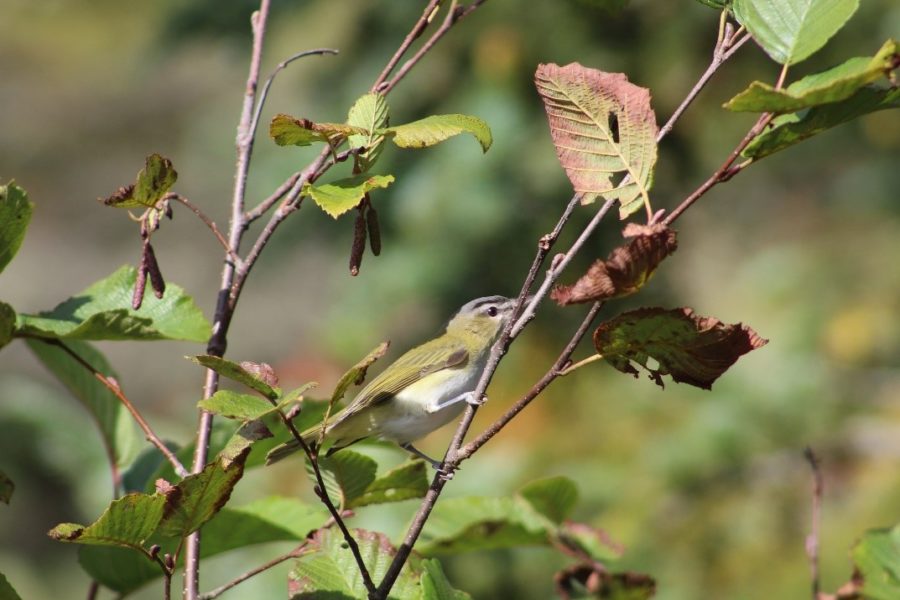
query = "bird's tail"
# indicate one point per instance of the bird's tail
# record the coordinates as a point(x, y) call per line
point(310, 437)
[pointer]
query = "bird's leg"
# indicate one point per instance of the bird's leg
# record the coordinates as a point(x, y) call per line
point(468, 398)
point(437, 465)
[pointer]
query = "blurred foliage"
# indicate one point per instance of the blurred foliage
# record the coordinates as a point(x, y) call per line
point(704, 489)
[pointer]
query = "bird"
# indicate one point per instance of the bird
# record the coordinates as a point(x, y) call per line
point(424, 389)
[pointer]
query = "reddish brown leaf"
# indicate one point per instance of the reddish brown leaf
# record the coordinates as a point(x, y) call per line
point(627, 268)
point(692, 349)
point(600, 583)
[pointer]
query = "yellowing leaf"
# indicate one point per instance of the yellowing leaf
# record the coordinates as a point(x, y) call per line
point(371, 113)
point(437, 128)
point(290, 131)
point(338, 197)
point(604, 132)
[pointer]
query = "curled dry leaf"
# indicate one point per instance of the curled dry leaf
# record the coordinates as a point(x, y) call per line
point(627, 268)
point(691, 348)
point(262, 371)
point(600, 583)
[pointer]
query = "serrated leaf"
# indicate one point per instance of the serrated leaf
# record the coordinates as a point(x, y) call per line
point(128, 521)
point(554, 497)
point(435, 129)
point(266, 520)
point(347, 475)
point(117, 428)
point(832, 85)
point(409, 480)
point(197, 498)
point(152, 182)
point(238, 447)
point(330, 571)
point(290, 131)
point(356, 374)
point(786, 130)
point(236, 372)
point(7, 323)
point(717, 4)
point(435, 585)
point(233, 405)
point(7, 486)
point(103, 312)
point(877, 557)
point(15, 215)
point(692, 349)
point(792, 30)
point(369, 112)
point(339, 196)
point(588, 542)
point(625, 271)
point(7, 592)
point(604, 132)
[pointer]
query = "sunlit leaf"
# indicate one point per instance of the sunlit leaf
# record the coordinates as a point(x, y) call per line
point(128, 521)
point(117, 428)
point(692, 349)
point(330, 571)
point(604, 132)
point(717, 4)
point(832, 85)
point(555, 497)
point(152, 182)
point(369, 112)
point(15, 214)
point(791, 30)
point(233, 405)
point(103, 312)
point(877, 557)
point(290, 131)
point(437, 128)
point(790, 129)
point(625, 271)
point(338, 197)
point(236, 372)
point(409, 480)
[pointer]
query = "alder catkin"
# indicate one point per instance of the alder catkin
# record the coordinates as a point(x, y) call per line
point(359, 244)
point(156, 279)
point(140, 284)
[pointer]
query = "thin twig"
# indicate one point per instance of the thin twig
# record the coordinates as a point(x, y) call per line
point(113, 386)
point(412, 36)
point(812, 540)
point(224, 304)
point(93, 589)
point(209, 223)
point(215, 593)
point(581, 363)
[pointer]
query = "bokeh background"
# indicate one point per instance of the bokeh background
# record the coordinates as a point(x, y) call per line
point(708, 491)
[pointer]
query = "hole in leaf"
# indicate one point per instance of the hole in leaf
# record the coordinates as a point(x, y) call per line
point(613, 122)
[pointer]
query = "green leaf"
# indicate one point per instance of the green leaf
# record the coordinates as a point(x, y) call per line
point(103, 312)
point(792, 30)
point(237, 372)
point(15, 214)
point(370, 112)
point(347, 475)
point(787, 130)
point(266, 520)
point(356, 374)
point(692, 349)
point(240, 444)
point(717, 4)
point(832, 85)
point(117, 429)
point(7, 486)
point(554, 497)
point(338, 197)
point(877, 557)
point(435, 129)
point(152, 182)
point(128, 521)
point(233, 405)
point(7, 323)
point(290, 131)
point(604, 131)
point(7, 592)
point(435, 585)
point(409, 480)
point(591, 542)
point(330, 571)
point(197, 498)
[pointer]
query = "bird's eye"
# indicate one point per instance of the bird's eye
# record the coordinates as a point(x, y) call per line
point(492, 311)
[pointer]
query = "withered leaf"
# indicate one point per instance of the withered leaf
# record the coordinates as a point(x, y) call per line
point(627, 268)
point(690, 348)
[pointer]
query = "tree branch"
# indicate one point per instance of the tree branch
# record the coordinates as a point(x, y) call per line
point(296, 552)
point(206, 220)
point(812, 540)
point(417, 30)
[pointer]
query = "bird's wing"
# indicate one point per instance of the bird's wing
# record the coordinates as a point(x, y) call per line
point(405, 371)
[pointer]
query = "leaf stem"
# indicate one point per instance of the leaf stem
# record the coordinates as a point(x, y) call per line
point(113, 386)
point(209, 223)
point(574, 366)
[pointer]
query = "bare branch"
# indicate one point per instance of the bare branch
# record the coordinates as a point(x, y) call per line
point(296, 552)
point(812, 540)
point(427, 15)
point(209, 223)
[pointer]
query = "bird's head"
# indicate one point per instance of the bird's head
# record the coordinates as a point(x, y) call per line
point(482, 319)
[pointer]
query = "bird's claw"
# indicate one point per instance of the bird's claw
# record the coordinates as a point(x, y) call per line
point(445, 473)
point(473, 400)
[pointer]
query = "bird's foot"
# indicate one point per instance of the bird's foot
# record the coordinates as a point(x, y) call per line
point(473, 400)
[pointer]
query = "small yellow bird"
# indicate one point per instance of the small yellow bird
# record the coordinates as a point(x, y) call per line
point(422, 390)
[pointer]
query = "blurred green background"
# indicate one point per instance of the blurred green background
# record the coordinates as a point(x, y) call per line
point(708, 491)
